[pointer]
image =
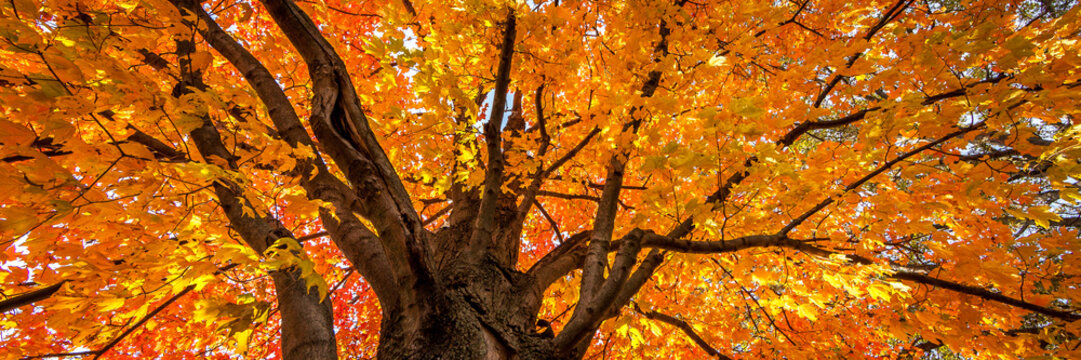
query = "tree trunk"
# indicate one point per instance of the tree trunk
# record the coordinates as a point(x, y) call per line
point(474, 311)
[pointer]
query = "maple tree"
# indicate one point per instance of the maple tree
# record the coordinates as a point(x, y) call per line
point(543, 179)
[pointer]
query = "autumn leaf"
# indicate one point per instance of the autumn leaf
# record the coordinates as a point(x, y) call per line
point(297, 179)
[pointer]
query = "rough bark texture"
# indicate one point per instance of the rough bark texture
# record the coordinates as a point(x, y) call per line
point(477, 312)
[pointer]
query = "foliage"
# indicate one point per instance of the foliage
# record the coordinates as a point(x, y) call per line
point(806, 179)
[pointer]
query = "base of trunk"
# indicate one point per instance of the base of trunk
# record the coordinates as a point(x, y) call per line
point(475, 314)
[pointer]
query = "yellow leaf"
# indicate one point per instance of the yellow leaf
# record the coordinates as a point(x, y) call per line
point(747, 107)
point(807, 311)
point(1042, 215)
point(109, 304)
point(879, 291)
point(1070, 193)
point(717, 60)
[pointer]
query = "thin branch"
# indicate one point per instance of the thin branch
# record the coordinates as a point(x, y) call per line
point(437, 214)
point(138, 324)
point(551, 222)
point(538, 179)
point(554, 194)
point(685, 327)
point(888, 165)
point(484, 229)
point(142, 321)
point(749, 295)
point(892, 13)
point(984, 294)
point(312, 236)
point(160, 149)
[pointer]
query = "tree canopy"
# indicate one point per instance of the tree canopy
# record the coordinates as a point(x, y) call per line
point(556, 179)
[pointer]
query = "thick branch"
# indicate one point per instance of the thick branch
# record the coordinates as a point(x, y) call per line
point(363, 249)
point(791, 137)
point(307, 320)
point(255, 73)
point(29, 297)
point(560, 261)
point(667, 243)
point(597, 292)
point(591, 311)
point(484, 229)
point(342, 127)
point(603, 225)
point(323, 186)
point(343, 130)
